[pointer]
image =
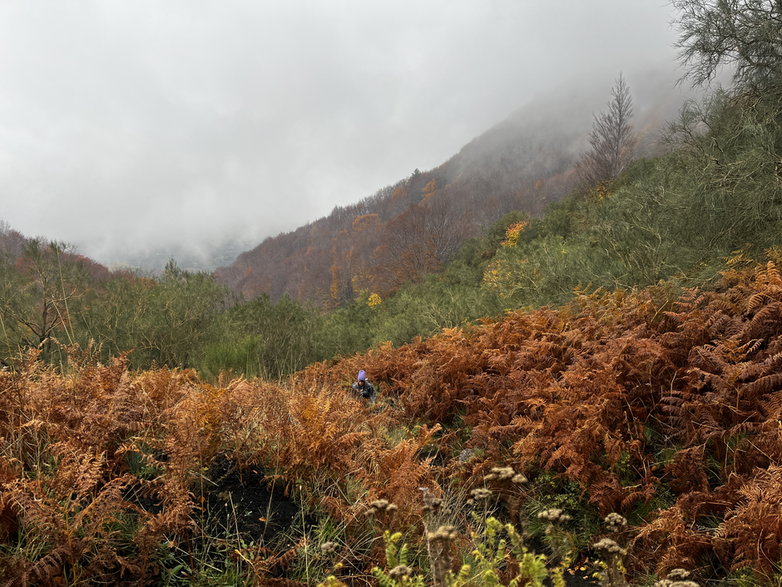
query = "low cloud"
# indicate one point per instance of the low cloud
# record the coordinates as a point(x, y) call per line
point(146, 125)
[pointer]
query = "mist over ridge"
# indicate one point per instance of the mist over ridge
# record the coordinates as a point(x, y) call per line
point(129, 128)
point(552, 126)
point(410, 228)
point(541, 137)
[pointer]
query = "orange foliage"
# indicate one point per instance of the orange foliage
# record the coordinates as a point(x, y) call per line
point(513, 232)
point(633, 396)
point(365, 222)
point(595, 390)
point(429, 189)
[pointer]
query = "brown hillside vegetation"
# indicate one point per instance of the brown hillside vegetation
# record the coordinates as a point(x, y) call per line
point(410, 229)
point(667, 412)
point(402, 233)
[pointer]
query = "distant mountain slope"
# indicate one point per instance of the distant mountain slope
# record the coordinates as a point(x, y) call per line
point(12, 242)
point(409, 229)
point(194, 257)
point(19, 249)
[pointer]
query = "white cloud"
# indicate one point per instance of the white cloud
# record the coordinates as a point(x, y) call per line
point(148, 123)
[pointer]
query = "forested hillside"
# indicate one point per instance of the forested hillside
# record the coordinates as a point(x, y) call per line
point(412, 228)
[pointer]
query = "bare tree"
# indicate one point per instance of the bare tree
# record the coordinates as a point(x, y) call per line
point(611, 140)
point(745, 34)
point(419, 241)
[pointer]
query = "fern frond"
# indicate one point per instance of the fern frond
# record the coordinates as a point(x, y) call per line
point(762, 386)
point(46, 569)
point(772, 406)
point(755, 301)
point(766, 322)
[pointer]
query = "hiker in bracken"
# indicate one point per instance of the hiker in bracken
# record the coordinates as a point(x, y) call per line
point(363, 387)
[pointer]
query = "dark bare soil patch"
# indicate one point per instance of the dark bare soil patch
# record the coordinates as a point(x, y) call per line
point(247, 503)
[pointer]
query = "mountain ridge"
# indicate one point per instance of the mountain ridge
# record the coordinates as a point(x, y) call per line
point(411, 228)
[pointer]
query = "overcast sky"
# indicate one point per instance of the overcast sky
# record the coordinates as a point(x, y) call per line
point(133, 124)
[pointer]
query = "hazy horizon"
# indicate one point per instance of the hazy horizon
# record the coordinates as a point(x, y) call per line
point(140, 127)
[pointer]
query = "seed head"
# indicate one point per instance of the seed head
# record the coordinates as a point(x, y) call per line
point(432, 504)
point(503, 473)
point(610, 546)
point(480, 494)
point(328, 547)
point(676, 578)
point(400, 572)
point(381, 505)
point(443, 534)
point(615, 522)
point(554, 515)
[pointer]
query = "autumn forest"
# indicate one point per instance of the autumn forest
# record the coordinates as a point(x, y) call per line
point(576, 347)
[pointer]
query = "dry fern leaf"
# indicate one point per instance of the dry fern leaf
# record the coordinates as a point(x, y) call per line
point(46, 569)
point(762, 386)
point(766, 322)
point(772, 405)
point(755, 301)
